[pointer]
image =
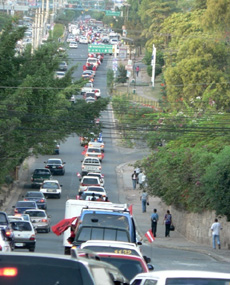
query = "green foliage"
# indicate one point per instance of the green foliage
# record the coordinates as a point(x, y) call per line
point(121, 74)
point(35, 106)
point(58, 31)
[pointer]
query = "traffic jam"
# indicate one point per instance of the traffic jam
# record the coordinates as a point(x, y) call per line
point(93, 224)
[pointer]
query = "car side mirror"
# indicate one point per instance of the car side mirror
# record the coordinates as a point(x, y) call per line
point(150, 267)
point(13, 206)
point(139, 243)
point(147, 259)
point(61, 185)
point(81, 160)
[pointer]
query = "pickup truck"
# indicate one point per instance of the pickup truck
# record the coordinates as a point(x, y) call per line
point(90, 164)
point(39, 175)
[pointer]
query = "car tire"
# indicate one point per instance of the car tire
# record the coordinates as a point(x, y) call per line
point(31, 249)
point(67, 250)
point(59, 196)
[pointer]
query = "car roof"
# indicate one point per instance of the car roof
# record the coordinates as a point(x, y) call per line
point(183, 274)
point(112, 243)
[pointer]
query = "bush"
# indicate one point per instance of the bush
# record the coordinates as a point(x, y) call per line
point(122, 74)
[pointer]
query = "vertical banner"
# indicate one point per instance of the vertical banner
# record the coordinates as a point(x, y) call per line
point(153, 64)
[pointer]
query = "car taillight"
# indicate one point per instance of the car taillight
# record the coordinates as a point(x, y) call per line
point(32, 237)
point(8, 233)
point(15, 211)
point(60, 166)
point(0, 248)
point(82, 167)
point(42, 201)
point(44, 220)
point(8, 271)
point(32, 179)
point(25, 199)
point(46, 166)
point(97, 185)
point(100, 167)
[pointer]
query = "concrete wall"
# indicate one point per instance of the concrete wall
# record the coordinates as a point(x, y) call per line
point(196, 227)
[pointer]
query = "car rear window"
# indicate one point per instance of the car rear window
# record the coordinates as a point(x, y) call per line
point(90, 233)
point(25, 204)
point(51, 185)
point(37, 271)
point(106, 220)
point(94, 150)
point(21, 226)
point(128, 267)
point(36, 213)
point(91, 161)
point(54, 162)
point(35, 194)
point(90, 181)
point(41, 172)
point(96, 189)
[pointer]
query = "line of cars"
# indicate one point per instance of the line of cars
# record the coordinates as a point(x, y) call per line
point(30, 216)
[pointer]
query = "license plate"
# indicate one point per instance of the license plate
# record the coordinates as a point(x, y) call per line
point(51, 190)
point(19, 244)
point(53, 166)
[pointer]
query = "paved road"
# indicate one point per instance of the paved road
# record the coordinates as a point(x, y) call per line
point(70, 152)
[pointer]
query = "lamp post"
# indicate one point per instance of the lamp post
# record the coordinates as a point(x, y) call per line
point(153, 64)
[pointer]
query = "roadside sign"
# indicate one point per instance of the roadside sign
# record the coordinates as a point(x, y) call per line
point(100, 48)
point(112, 13)
point(122, 52)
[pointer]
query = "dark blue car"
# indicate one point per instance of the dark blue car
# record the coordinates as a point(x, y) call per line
point(21, 206)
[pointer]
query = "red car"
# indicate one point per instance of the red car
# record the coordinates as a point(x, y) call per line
point(129, 265)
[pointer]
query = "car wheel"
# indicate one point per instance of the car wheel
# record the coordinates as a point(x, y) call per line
point(67, 250)
point(59, 196)
point(32, 249)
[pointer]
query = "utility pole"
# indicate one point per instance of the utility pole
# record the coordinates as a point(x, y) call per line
point(153, 64)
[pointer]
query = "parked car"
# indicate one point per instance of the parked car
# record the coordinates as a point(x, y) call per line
point(39, 175)
point(51, 188)
point(38, 197)
point(55, 165)
point(185, 277)
point(21, 206)
point(24, 235)
point(39, 219)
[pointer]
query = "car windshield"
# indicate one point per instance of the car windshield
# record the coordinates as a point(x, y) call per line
point(22, 204)
point(21, 226)
point(54, 161)
point(128, 267)
point(36, 214)
point(51, 185)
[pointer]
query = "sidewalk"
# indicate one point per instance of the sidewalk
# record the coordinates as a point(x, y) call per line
point(176, 240)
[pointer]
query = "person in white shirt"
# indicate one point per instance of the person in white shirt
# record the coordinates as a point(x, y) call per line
point(215, 228)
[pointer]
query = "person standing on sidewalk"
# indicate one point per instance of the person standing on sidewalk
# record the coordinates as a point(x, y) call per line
point(137, 70)
point(168, 222)
point(154, 220)
point(215, 228)
point(134, 179)
point(144, 200)
point(141, 179)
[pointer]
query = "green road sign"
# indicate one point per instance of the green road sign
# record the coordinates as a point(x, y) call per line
point(100, 48)
point(112, 13)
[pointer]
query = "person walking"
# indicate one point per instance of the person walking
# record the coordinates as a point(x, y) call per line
point(154, 220)
point(134, 179)
point(137, 70)
point(168, 222)
point(141, 179)
point(144, 200)
point(215, 228)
